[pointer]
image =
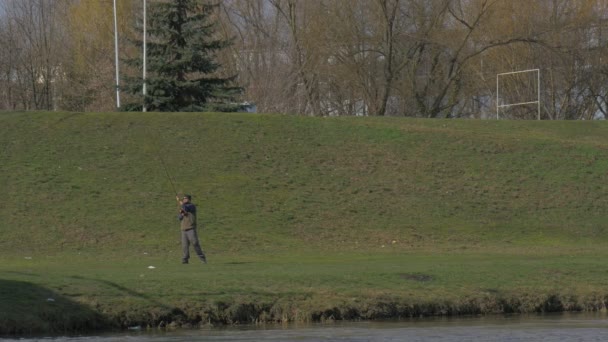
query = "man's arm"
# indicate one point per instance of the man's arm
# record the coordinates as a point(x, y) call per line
point(182, 212)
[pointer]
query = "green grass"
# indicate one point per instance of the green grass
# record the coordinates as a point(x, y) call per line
point(303, 218)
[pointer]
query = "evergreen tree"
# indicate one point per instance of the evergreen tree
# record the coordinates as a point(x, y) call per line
point(182, 74)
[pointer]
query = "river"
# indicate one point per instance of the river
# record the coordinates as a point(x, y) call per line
point(565, 327)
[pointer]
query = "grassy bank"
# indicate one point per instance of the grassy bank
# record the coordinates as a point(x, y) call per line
point(304, 218)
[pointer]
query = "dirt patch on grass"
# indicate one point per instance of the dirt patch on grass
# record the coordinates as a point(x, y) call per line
point(419, 277)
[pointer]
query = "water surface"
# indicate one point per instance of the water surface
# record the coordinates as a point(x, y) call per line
point(566, 327)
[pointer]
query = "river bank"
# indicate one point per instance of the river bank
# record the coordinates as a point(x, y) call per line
point(196, 316)
point(68, 293)
point(223, 313)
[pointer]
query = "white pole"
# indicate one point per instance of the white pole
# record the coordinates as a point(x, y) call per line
point(497, 105)
point(144, 90)
point(116, 57)
point(538, 94)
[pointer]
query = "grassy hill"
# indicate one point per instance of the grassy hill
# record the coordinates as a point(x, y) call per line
point(368, 196)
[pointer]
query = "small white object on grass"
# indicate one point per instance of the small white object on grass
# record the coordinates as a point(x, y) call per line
point(50, 299)
point(28, 258)
point(151, 267)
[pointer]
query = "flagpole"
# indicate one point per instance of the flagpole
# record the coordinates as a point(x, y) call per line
point(116, 58)
point(144, 75)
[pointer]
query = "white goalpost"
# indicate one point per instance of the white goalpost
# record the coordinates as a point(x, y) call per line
point(116, 57)
point(525, 102)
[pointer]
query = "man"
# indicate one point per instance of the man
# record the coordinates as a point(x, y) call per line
point(187, 216)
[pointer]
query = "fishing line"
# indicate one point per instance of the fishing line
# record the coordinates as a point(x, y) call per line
point(162, 162)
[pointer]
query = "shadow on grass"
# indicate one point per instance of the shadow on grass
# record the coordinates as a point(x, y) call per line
point(27, 308)
point(27, 274)
point(145, 311)
point(125, 291)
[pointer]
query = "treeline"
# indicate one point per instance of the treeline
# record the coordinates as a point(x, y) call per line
point(423, 58)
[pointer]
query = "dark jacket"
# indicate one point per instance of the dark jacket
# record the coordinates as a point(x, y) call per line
point(187, 216)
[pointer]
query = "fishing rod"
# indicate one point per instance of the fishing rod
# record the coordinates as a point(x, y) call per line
point(162, 163)
point(166, 169)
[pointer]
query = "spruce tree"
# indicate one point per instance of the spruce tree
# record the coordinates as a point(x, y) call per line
point(182, 74)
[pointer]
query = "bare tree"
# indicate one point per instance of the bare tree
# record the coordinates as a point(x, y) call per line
point(333, 57)
point(259, 54)
point(36, 36)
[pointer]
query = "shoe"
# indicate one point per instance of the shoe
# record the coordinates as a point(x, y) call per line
point(204, 260)
point(184, 261)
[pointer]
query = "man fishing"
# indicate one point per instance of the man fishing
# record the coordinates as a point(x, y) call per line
point(187, 217)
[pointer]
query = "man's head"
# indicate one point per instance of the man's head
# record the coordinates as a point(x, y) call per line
point(187, 198)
